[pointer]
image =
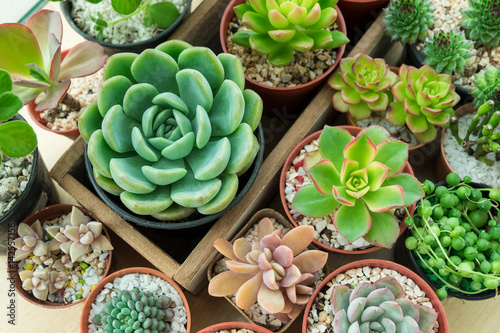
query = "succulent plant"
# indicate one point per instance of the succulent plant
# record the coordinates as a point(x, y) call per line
point(363, 86)
point(172, 130)
point(31, 54)
point(135, 311)
point(487, 86)
point(36, 282)
point(408, 20)
point(447, 52)
point(424, 100)
point(380, 307)
point(278, 27)
point(273, 270)
point(481, 20)
point(30, 241)
point(359, 181)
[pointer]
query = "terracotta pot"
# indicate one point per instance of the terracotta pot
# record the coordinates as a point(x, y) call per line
point(359, 14)
point(35, 115)
point(234, 324)
point(44, 214)
point(84, 325)
point(283, 99)
point(429, 293)
point(295, 152)
point(255, 219)
point(137, 47)
point(442, 167)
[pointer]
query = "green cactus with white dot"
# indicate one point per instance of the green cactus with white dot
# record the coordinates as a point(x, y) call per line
point(135, 312)
point(280, 27)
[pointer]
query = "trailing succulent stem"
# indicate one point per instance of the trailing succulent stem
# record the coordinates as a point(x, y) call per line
point(408, 20)
point(482, 22)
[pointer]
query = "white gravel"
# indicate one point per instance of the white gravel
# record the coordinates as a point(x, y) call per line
point(14, 177)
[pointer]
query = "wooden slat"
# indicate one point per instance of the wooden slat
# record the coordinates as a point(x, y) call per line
point(68, 159)
point(192, 272)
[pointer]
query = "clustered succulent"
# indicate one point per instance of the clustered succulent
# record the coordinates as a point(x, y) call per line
point(379, 307)
point(363, 85)
point(448, 51)
point(275, 270)
point(172, 130)
point(278, 27)
point(359, 182)
point(481, 20)
point(487, 86)
point(424, 100)
point(408, 20)
point(135, 311)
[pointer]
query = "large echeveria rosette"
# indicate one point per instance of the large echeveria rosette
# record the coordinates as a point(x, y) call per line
point(360, 182)
point(172, 130)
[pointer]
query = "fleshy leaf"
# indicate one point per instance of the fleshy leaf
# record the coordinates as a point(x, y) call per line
point(310, 202)
point(83, 59)
point(361, 150)
point(385, 198)
point(345, 216)
point(393, 154)
point(325, 176)
point(147, 204)
point(224, 197)
point(226, 283)
point(384, 229)
point(156, 68)
point(332, 142)
point(298, 239)
point(411, 187)
point(190, 192)
point(126, 172)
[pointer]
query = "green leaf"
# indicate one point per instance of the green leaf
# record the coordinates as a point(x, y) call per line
point(100, 154)
point(224, 197)
point(117, 129)
point(174, 213)
point(149, 203)
point(19, 47)
point(411, 187)
point(233, 69)
point(384, 229)
point(142, 146)
point(377, 134)
point(125, 7)
point(190, 192)
point(253, 108)
point(243, 147)
point(338, 39)
point(89, 121)
point(165, 171)
point(173, 47)
point(310, 202)
point(385, 198)
point(112, 93)
point(10, 104)
point(210, 161)
point(5, 81)
point(137, 99)
point(163, 14)
point(242, 38)
point(396, 114)
point(107, 184)
point(325, 176)
point(282, 56)
point(227, 110)
point(194, 90)
point(127, 174)
point(332, 142)
point(352, 222)
point(392, 154)
point(157, 68)
point(119, 64)
point(147, 20)
point(17, 138)
point(361, 150)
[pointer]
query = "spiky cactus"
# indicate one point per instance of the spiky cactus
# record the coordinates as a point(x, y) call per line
point(172, 130)
point(363, 86)
point(278, 27)
point(380, 307)
point(447, 52)
point(487, 86)
point(273, 270)
point(482, 22)
point(135, 311)
point(408, 20)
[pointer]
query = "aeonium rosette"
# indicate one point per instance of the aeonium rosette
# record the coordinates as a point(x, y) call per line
point(360, 181)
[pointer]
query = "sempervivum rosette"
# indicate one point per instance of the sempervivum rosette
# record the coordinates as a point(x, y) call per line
point(172, 130)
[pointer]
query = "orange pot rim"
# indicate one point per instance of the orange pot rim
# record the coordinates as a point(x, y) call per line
point(234, 324)
point(286, 167)
point(429, 293)
point(84, 325)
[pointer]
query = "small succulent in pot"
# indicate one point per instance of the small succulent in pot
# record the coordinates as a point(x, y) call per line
point(380, 306)
point(280, 27)
point(424, 100)
point(172, 130)
point(363, 85)
point(276, 271)
point(448, 52)
point(408, 20)
point(481, 21)
point(31, 54)
point(487, 86)
point(360, 181)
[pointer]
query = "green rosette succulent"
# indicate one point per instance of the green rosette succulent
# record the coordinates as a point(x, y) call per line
point(379, 307)
point(487, 86)
point(278, 27)
point(408, 20)
point(360, 181)
point(448, 52)
point(172, 130)
point(482, 22)
point(424, 100)
point(363, 85)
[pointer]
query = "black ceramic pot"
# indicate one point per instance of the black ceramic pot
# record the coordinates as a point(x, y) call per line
point(138, 47)
point(194, 220)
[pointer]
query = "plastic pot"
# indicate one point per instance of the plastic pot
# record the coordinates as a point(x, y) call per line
point(234, 325)
point(137, 47)
point(295, 152)
point(84, 324)
point(429, 293)
point(44, 214)
point(39, 192)
point(194, 220)
point(283, 99)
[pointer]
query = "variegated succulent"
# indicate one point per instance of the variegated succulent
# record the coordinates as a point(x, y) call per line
point(408, 20)
point(363, 85)
point(172, 130)
point(379, 307)
point(359, 182)
point(424, 100)
point(280, 27)
point(482, 22)
point(274, 270)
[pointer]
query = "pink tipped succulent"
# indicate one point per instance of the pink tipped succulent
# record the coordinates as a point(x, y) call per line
point(31, 54)
point(29, 241)
point(274, 271)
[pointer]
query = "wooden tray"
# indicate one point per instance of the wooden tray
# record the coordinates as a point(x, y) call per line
point(189, 270)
